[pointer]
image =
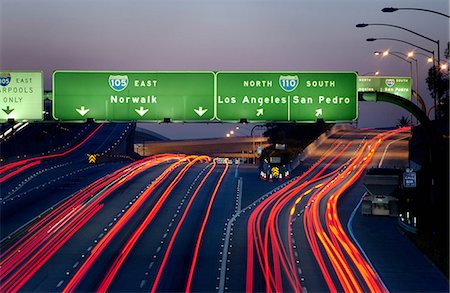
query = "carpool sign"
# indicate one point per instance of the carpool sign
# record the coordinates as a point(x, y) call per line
point(400, 86)
point(21, 95)
point(142, 96)
point(286, 96)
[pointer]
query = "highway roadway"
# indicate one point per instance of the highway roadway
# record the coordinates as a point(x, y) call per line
point(32, 184)
point(171, 223)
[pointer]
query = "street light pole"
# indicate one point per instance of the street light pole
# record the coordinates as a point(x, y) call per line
point(392, 9)
point(369, 73)
point(398, 55)
point(411, 44)
point(251, 134)
point(417, 34)
point(398, 40)
point(360, 25)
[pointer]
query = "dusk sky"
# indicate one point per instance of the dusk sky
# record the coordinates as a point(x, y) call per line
point(218, 35)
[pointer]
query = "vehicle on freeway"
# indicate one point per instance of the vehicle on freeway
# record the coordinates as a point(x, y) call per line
point(274, 166)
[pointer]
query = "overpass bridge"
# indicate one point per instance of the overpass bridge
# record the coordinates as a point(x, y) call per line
point(235, 147)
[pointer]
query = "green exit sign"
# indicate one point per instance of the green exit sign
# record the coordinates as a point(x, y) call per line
point(140, 96)
point(21, 95)
point(205, 96)
point(400, 86)
point(286, 96)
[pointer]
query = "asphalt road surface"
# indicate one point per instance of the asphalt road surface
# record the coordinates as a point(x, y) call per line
point(174, 223)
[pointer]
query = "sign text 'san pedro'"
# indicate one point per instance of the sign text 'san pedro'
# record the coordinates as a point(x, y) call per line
point(286, 96)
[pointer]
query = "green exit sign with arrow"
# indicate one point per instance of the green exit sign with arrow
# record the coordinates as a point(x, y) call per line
point(140, 96)
point(21, 95)
point(205, 96)
point(287, 96)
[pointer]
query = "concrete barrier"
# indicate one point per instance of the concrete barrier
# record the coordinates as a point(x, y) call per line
point(315, 144)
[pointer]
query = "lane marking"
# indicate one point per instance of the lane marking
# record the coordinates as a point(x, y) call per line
point(239, 195)
point(142, 284)
point(386, 148)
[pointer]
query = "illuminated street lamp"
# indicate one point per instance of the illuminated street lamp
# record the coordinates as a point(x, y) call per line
point(397, 40)
point(371, 73)
point(412, 53)
point(402, 56)
point(361, 25)
point(392, 9)
point(411, 44)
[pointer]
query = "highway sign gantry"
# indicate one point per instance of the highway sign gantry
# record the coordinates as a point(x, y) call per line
point(140, 96)
point(205, 96)
point(400, 86)
point(286, 96)
point(21, 95)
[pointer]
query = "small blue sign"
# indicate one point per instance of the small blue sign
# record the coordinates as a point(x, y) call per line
point(409, 179)
point(288, 82)
point(5, 78)
point(118, 82)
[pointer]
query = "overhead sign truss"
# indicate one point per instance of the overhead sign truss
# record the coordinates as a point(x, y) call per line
point(205, 96)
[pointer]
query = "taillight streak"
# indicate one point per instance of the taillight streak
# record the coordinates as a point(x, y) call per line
point(15, 260)
point(38, 159)
point(106, 240)
point(178, 227)
point(202, 229)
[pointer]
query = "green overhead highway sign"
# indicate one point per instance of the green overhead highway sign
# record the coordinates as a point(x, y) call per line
point(286, 96)
point(21, 95)
point(400, 86)
point(205, 96)
point(142, 96)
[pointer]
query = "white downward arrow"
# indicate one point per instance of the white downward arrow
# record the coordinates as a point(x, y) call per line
point(319, 112)
point(82, 111)
point(260, 112)
point(200, 111)
point(141, 111)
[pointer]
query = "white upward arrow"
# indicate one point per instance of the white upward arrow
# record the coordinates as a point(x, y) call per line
point(319, 112)
point(200, 111)
point(82, 111)
point(141, 111)
point(260, 112)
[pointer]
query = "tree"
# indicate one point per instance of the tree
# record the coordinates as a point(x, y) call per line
point(437, 82)
point(403, 122)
